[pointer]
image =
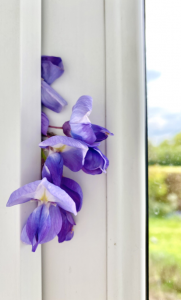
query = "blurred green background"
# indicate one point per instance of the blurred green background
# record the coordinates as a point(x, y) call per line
point(165, 219)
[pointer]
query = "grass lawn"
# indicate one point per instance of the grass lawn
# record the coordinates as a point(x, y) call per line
point(165, 258)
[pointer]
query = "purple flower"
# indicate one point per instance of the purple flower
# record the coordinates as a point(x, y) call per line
point(52, 170)
point(73, 152)
point(45, 222)
point(95, 162)
point(79, 127)
point(51, 68)
point(44, 123)
point(50, 98)
point(66, 233)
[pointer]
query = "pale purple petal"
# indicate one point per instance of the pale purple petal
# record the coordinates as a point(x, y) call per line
point(81, 110)
point(56, 224)
point(53, 168)
point(44, 123)
point(101, 133)
point(24, 236)
point(51, 68)
point(73, 189)
point(72, 151)
point(23, 194)
point(59, 196)
point(50, 98)
point(83, 132)
point(73, 159)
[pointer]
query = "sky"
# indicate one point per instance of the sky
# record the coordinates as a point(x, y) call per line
point(163, 60)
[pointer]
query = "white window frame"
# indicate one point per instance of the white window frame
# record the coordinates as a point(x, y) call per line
point(20, 120)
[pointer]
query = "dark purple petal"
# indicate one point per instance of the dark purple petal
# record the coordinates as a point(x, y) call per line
point(73, 189)
point(51, 68)
point(66, 233)
point(95, 162)
point(38, 225)
point(53, 168)
point(67, 129)
point(50, 98)
point(83, 132)
point(101, 133)
point(92, 172)
point(54, 194)
point(81, 110)
point(106, 161)
point(23, 194)
point(72, 151)
point(44, 123)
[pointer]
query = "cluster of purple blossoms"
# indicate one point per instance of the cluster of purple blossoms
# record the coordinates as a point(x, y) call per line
point(58, 197)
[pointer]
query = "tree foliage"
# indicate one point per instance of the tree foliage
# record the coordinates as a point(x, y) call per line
point(167, 153)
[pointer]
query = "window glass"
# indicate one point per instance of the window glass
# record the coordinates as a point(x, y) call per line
point(163, 59)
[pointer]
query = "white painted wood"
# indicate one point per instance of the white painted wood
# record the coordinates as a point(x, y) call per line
point(125, 115)
point(20, 35)
point(74, 30)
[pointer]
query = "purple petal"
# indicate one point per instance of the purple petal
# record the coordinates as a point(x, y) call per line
point(95, 162)
point(38, 225)
point(23, 194)
point(53, 168)
point(51, 68)
point(72, 151)
point(92, 172)
point(44, 123)
point(24, 236)
point(55, 194)
point(101, 133)
point(81, 110)
point(66, 233)
point(70, 218)
point(73, 189)
point(55, 227)
point(67, 129)
point(56, 224)
point(83, 132)
point(50, 98)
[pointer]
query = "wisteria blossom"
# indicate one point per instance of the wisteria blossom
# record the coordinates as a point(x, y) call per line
point(50, 98)
point(58, 197)
point(51, 69)
point(45, 222)
point(73, 151)
point(79, 127)
point(52, 170)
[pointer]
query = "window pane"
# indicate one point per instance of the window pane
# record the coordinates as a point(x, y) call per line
point(163, 44)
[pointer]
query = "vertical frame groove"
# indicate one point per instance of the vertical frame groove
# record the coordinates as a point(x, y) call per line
point(125, 97)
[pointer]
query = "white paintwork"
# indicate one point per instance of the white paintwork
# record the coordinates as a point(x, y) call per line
point(125, 107)
point(106, 258)
point(74, 30)
point(20, 35)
